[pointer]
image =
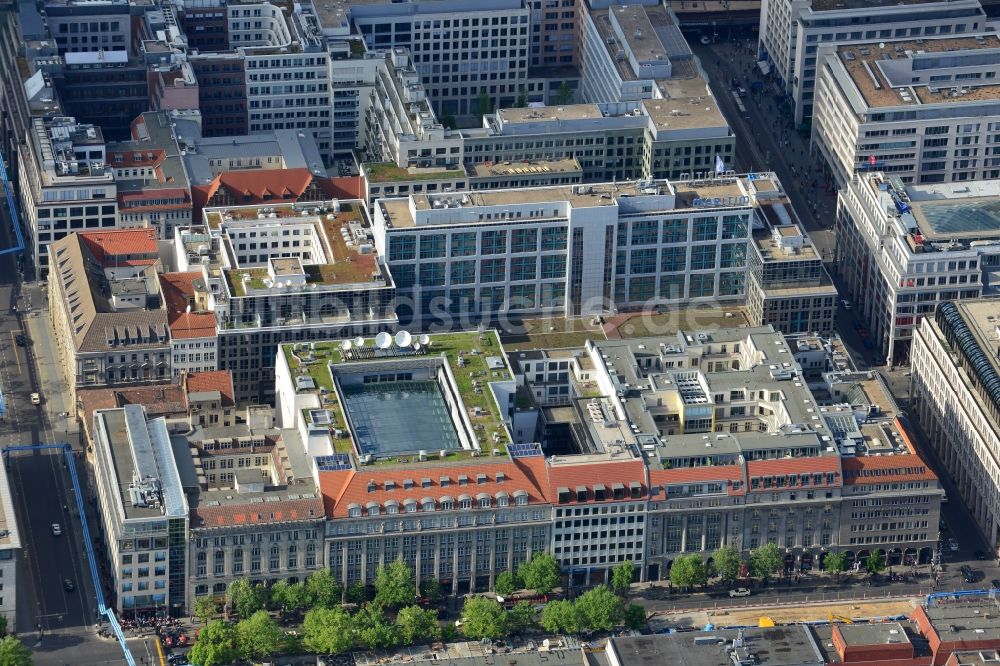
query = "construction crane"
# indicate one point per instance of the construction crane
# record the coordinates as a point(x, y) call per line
point(834, 618)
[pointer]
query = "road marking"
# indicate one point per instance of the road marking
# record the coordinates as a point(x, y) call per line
point(17, 357)
point(159, 652)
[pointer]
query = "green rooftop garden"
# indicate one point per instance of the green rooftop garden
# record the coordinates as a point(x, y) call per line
point(385, 172)
point(472, 371)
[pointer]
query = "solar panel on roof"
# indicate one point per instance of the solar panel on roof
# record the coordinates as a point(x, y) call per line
point(673, 41)
point(525, 450)
point(336, 462)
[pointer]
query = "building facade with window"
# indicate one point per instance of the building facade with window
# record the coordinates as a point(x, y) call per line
point(922, 109)
point(65, 184)
point(905, 249)
point(576, 250)
point(793, 31)
point(144, 512)
point(107, 309)
point(955, 401)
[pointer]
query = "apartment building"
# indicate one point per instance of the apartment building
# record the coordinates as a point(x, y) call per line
point(65, 184)
point(284, 273)
point(793, 32)
point(401, 125)
point(459, 50)
point(143, 509)
point(10, 548)
point(953, 393)
point(905, 249)
point(576, 250)
point(106, 308)
point(787, 285)
point(923, 109)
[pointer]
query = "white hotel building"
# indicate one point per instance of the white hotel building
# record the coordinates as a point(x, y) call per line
point(925, 110)
point(793, 31)
point(578, 250)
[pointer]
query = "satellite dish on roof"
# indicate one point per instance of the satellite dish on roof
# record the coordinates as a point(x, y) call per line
point(359, 341)
point(346, 345)
point(881, 45)
point(424, 339)
point(383, 340)
point(416, 346)
point(403, 339)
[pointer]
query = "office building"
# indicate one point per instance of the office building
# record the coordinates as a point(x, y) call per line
point(107, 310)
point(282, 273)
point(787, 285)
point(10, 548)
point(65, 184)
point(923, 109)
point(902, 250)
point(793, 32)
point(726, 414)
point(459, 50)
point(654, 138)
point(578, 250)
point(954, 398)
point(143, 509)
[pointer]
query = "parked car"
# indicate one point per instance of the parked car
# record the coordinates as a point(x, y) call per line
point(846, 304)
point(36, 399)
point(56, 529)
point(21, 340)
point(706, 40)
point(739, 592)
point(68, 585)
point(953, 546)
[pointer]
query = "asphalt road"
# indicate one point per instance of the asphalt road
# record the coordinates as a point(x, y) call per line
point(57, 624)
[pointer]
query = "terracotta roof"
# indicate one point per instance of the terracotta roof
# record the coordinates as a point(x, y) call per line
point(866, 470)
point(341, 489)
point(727, 474)
point(570, 476)
point(257, 513)
point(213, 380)
point(106, 246)
point(278, 182)
point(193, 325)
point(794, 467)
point(177, 289)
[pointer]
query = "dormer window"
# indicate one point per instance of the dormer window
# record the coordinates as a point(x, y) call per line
point(390, 485)
point(480, 478)
point(353, 511)
point(407, 484)
point(463, 480)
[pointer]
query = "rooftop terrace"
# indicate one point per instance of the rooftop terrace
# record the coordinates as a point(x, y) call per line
point(387, 172)
point(466, 355)
point(346, 267)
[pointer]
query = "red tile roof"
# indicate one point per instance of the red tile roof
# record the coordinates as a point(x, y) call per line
point(213, 380)
point(340, 489)
point(590, 474)
point(257, 513)
point(794, 467)
point(111, 247)
point(178, 289)
point(866, 470)
point(727, 474)
point(159, 399)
